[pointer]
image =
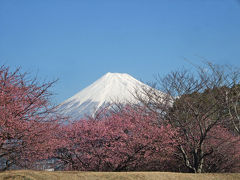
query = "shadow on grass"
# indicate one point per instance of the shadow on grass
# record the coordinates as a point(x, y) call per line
point(16, 177)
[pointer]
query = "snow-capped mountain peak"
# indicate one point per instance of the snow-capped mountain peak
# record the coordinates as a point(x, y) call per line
point(112, 87)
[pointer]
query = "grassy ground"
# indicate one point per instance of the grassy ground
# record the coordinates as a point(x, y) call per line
point(43, 175)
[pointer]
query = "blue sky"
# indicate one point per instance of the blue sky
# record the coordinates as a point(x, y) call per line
point(78, 41)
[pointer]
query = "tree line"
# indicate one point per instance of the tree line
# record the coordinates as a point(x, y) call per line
point(192, 125)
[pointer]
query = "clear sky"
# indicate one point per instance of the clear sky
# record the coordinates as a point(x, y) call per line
point(78, 41)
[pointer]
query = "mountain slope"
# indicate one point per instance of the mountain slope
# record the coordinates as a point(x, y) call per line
point(112, 87)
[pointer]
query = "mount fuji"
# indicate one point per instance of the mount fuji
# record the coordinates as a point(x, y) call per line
point(110, 88)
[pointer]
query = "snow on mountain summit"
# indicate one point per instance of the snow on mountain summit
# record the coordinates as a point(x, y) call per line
point(109, 88)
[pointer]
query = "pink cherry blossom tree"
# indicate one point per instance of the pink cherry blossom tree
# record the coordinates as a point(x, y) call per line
point(27, 122)
point(130, 139)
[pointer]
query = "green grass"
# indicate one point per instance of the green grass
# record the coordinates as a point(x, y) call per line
point(58, 175)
